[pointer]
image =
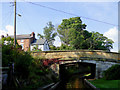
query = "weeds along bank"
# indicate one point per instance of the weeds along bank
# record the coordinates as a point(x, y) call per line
point(28, 70)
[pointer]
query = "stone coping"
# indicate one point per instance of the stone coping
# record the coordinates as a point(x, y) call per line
point(52, 51)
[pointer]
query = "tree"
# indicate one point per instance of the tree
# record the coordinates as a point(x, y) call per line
point(49, 33)
point(100, 42)
point(40, 36)
point(72, 33)
point(10, 42)
point(79, 40)
point(67, 26)
point(7, 40)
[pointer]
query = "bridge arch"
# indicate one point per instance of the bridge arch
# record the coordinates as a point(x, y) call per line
point(68, 69)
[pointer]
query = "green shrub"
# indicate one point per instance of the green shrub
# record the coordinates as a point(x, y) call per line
point(22, 60)
point(52, 47)
point(28, 70)
point(22, 64)
point(113, 73)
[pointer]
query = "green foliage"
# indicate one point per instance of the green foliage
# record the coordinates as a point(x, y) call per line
point(71, 32)
point(9, 41)
point(113, 73)
point(23, 62)
point(65, 47)
point(49, 33)
point(69, 25)
point(36, 48)
point(6, 56)
point(39, 74)
point(100, 42)
point(40, 35)
point(28, 70)
point(21, 59)
point(9, 53)
point(106, 84)
point(62, 47)
point(52, 47)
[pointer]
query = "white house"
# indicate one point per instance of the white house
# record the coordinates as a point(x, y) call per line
point(41, 43)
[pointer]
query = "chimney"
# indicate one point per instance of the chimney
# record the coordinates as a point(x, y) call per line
point(33, 35)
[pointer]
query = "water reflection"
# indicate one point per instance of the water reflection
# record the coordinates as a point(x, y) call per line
point(75, 82)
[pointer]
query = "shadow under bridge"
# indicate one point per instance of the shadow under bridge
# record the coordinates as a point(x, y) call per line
point(72, 75)
point(80, 68)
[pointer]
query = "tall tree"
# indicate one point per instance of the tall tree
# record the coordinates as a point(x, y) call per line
point(67, 26)
point(100, 42)
point(72, 33)
point(49, 33)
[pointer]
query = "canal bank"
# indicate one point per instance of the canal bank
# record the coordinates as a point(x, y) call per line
point(74, 82)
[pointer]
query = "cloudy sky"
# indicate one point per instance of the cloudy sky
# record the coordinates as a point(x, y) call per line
point(34, 17)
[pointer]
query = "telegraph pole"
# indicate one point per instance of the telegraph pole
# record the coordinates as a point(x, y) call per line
point(15, 23)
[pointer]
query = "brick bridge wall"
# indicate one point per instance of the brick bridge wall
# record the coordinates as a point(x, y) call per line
point(78, 54)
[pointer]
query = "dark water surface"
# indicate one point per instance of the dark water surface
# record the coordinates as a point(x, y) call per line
point(75, 82)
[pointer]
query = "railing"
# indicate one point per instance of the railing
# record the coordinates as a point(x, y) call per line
point(8, 77)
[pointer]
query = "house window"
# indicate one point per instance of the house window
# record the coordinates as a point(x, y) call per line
point(22, 40)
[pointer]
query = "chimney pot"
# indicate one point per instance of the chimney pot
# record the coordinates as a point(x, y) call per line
point(33, 35)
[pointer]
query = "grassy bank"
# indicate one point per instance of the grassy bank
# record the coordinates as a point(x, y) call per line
point(102, 83)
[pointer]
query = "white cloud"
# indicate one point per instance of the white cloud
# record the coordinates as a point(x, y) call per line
point(112, 33)
point(8, 30)
point(2, 32)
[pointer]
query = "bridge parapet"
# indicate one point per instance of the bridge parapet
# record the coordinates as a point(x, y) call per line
point(94, 54)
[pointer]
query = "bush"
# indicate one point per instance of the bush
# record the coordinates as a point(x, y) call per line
point(22, 64)
point(22, 60)
point(52, 47)
point(113, 73)
point(28, 70)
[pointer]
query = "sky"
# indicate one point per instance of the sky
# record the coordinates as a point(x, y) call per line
point(34, 17)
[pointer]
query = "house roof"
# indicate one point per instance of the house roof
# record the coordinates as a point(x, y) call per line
point(24, 36)
point(38, 41)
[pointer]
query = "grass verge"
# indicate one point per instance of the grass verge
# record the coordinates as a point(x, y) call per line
point(102, 83)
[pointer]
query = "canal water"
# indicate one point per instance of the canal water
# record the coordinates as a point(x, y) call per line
point(75, 82)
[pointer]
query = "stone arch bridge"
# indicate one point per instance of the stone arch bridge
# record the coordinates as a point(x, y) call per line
point(102, 59)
